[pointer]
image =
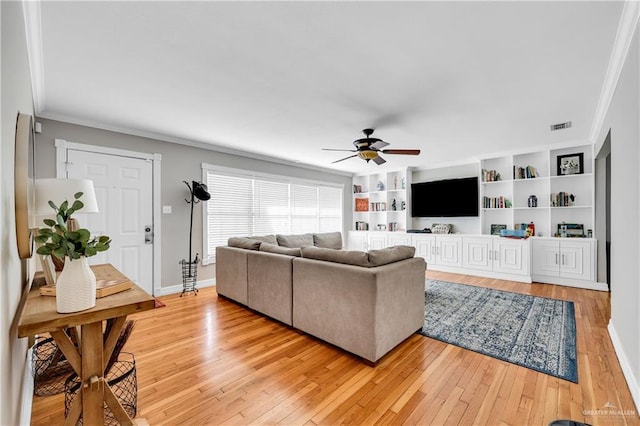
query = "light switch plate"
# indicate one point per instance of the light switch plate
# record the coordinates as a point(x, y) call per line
point(166, 209)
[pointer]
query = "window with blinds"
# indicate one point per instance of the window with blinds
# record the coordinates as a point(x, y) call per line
point(244, 204)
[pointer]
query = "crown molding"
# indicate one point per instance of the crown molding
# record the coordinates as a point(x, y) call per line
point(33, 29)
point(190, 143)
point(624, 36)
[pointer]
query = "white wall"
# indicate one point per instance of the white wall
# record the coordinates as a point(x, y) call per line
point(464, 225)
point(15, 90)
point(179, 163)
point(623, 118)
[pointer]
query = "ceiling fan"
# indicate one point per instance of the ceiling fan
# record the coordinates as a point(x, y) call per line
point(369, 148)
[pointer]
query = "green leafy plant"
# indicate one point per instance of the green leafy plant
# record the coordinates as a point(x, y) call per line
point(58, 241)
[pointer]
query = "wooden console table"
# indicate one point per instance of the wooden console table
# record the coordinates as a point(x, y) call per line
point(40, 316)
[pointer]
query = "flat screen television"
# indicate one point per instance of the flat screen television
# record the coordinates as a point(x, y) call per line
point(445, 198)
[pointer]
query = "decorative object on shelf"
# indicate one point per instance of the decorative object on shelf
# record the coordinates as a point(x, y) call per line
point(393, 226)
point(190, 267)
point(496, 228)
point(76, 285)
point(362, 204)
point(380, 186)
point(404, 183)
point(490, 176)
point(531, 229)
point(369, 148)
point(379, 207)
point(514, 233)
point(589, 233)
point(382, 227)
point(394, 207)
point(532, 201)
point(403, 205)
point(570, 230)
point(441, 228)
point(22, 175)
point(562, 199)
point(395, 182)
point(571, 164)
point(357, 189)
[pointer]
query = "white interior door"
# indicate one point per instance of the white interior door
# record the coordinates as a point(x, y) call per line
point(124, 192)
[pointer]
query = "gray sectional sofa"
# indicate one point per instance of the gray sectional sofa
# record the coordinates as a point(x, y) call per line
point(363, 302)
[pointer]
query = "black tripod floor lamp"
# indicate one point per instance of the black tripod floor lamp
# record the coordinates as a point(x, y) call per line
point(198, 192)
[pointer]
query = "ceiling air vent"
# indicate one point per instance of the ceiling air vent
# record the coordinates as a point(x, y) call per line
point(560, 126)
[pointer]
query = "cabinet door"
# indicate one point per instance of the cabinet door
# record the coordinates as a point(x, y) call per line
point(398, 239)
point(546, 257)
point(576, 260)
point(449, 251)
point(425, 247)
point(357, 240)
point(377, 240)
point(476, 252)
point(510, 256)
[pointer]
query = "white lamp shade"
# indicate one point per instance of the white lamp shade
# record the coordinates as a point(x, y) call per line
point(59, 190)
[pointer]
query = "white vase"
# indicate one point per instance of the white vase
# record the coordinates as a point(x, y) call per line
point(75, 287)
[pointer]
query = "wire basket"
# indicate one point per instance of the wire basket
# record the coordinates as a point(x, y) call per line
point(50, 368)
point(189, 276)
point(123, 382)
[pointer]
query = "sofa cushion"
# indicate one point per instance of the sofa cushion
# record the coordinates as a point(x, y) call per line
point(273, 248)
point(330, 240)
point(295, 240)
point(245, 243)
point(357, 258)
point(270, 239)
point(390, 255)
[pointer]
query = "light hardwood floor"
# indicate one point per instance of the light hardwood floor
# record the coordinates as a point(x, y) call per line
point(206, 360)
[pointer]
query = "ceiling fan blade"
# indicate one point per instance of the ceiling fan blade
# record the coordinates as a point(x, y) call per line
point(346, 150)
point(345, 158)
point(402, 151)
point(379, 144)
point(379, 160)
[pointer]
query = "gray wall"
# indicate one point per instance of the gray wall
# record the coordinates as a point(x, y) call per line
point(623, 118)
point(179, 162)
point(465, 225)
point(15, 90)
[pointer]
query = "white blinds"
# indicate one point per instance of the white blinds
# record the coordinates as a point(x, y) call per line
point(243, 205)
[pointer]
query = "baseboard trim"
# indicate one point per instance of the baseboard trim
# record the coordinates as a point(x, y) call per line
point(26, 401)
point(627, 371)
point(178, 287)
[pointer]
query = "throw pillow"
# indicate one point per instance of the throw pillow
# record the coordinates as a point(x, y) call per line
point(357, 258)
point(295, 240)
point(245, 243)
point(390, 255)
point(273, 248)
point(330, 240)
point(270, 239)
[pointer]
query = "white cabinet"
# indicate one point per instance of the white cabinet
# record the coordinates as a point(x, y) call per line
point(495, 254)
point(377, 240)
point(358, 240)
point(565, 261)
point(439, 250)
point(398, 239)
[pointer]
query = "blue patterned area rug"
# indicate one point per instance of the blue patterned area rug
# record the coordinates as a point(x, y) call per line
point(533, 332)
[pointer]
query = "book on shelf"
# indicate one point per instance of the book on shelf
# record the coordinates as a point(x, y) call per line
point(362, 226)
point(103, 288)
point(562, 199)
point(528, 172)
point(496, 202)
point(490, 175)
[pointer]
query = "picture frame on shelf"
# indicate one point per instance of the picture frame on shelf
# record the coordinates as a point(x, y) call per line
point(570, 164)
point(496, 228)
point(362, 204)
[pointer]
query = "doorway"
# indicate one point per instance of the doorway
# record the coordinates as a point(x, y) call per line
point(125, 183)
point(603, 209)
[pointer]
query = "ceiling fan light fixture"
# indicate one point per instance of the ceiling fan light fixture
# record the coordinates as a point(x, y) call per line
point(367, 154)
